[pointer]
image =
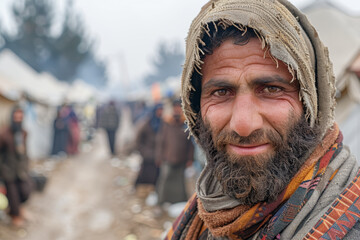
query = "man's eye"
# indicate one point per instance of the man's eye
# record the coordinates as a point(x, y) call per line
point(220, 92)
point(272, 89)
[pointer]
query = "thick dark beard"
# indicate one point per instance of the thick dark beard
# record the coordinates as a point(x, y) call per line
point(249, 179)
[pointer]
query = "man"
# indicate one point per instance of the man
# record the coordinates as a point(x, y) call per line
point(109, 120)
point(146, 145)
point(258, 95)
point(174, 151)
point(14, 165)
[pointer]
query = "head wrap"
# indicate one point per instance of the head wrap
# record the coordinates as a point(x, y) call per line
point(290, 38)
point(15, 126)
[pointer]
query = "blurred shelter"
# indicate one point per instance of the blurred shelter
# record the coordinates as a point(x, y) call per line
point(43, 87)
point(40, 94)
point(81, 92)
point(340, 32)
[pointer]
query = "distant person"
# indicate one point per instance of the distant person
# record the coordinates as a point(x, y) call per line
point(14, 165)
point(61, 131)
point(109, 120)
point(174, 153)
point(74, 130)
point(146, 143)
point(139, 111)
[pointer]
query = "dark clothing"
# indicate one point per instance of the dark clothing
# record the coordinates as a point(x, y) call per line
point(17, 192)
point(109, 117)
point(148, 173)
point(109, 120)
point(174, 147)
point(14, 163)
point(174, 152)
point(171, 184)
point(61, 135)
point(14, 168)
point(111, 134)
point(145, 143)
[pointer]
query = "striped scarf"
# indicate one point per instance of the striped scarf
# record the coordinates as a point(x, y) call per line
point(267, 220)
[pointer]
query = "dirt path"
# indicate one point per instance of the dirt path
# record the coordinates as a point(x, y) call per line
point(89, 197)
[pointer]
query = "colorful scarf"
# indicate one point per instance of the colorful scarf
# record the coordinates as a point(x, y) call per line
point(266, 219)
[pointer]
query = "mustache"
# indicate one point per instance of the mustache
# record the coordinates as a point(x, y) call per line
point(258, 136)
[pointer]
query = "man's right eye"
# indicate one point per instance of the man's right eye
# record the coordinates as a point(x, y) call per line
point(220, 92)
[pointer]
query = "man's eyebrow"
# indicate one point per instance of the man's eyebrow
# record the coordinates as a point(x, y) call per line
point(270, 79)
point(214, 83)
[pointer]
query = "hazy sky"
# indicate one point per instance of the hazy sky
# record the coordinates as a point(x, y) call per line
point(127, 32)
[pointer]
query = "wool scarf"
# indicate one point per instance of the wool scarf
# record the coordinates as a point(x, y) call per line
point(266, 219)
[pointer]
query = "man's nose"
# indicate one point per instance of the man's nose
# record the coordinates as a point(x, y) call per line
point(246, 116)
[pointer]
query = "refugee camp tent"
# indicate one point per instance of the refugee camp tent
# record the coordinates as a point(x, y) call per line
point(43, 94)
point(42, 87)
point(81, 92)
point(340, 32)
point(38, 93)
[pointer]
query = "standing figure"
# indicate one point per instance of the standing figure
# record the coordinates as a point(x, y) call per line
point(14, 165)
point(61, 130)
point(109, 120)
point(146, 143)
point(259, 97)
point(174, 153)
point(74, 132)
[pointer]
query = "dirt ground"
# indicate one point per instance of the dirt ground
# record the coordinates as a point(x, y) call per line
point(89, 196)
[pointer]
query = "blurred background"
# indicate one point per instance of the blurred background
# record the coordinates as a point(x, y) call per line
point(71, 65)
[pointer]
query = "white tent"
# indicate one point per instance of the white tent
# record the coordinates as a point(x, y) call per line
point(340, 32)
point(81, 92)
point(41, 87)
point(46, 93)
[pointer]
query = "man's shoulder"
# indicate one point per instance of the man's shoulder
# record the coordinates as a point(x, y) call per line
point(343, 215)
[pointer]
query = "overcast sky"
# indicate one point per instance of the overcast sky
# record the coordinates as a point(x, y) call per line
point(127, 32)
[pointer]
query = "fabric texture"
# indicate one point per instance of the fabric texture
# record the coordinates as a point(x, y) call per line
point(306, 208)
point(269, 220)
point(290, 38)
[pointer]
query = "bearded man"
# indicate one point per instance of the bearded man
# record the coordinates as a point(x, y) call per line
point(258, 95)
point(14, 165)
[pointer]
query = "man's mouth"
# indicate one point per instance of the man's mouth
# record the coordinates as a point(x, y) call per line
point(249, 149)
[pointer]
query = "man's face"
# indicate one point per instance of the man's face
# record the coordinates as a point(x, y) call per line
point(252, 127)
point(18, 116)
point(245, 93)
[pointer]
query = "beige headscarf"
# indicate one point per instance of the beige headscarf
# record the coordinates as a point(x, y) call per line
point(291, 39)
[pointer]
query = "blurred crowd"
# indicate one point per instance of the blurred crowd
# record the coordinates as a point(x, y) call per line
point(158, 135)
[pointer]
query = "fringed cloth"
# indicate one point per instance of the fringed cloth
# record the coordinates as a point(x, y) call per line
point(269, 219)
